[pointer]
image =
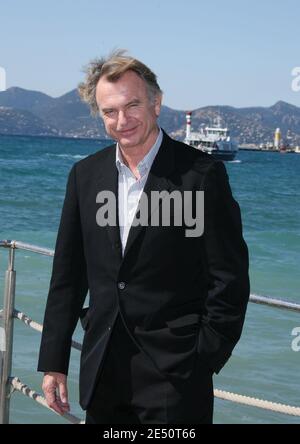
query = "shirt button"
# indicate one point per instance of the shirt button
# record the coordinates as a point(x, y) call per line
point(121, 285)
point(109, 328)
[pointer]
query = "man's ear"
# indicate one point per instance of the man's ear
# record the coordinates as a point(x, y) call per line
point(157, 104)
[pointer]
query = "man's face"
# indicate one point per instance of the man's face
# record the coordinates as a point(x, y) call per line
point(128, 114)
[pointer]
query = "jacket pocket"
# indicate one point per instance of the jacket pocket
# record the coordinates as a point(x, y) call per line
point(183, 321)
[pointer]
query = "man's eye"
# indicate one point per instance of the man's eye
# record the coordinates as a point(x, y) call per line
point(109, 113)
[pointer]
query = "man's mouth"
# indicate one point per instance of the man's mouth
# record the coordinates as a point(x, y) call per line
point(127, 132)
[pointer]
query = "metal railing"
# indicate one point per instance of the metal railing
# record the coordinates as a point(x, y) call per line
point(8, 383)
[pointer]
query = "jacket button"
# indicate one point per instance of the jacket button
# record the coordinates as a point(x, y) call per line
point(121, 285)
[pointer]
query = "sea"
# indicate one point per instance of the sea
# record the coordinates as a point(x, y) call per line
point(264, 364)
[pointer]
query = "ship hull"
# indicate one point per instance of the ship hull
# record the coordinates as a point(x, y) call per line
point(223, 155)
point(220, 155)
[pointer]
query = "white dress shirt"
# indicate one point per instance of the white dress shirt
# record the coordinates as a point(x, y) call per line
point(130, 189)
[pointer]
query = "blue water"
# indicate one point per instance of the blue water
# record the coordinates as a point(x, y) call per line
point(33, 174)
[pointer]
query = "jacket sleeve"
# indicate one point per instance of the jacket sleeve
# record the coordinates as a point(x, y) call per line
point(226, 258)
point(68, 286)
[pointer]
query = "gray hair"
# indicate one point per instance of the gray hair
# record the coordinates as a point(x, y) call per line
point(113, 67)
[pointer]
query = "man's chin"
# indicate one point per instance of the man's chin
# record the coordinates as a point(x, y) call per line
point(127, 142)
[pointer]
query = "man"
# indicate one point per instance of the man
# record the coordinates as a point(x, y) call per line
point(166, 307)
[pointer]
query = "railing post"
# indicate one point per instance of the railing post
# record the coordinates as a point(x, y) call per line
point(6, 338)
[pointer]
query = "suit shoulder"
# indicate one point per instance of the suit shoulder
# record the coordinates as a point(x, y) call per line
point(193, 158)
point(95, 159)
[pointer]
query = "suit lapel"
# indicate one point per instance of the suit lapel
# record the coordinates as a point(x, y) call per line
point(157, 180)
point(109, 182)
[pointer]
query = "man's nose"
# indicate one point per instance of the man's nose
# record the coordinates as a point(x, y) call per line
point(122, 120)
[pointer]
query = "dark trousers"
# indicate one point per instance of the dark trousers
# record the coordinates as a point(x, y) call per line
point(131, 390)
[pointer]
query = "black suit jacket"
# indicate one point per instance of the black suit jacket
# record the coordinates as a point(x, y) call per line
point(179, 295)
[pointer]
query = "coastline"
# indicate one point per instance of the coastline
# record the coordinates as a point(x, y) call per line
point(45, 136)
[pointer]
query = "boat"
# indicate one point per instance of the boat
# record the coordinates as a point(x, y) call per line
point(214, 140)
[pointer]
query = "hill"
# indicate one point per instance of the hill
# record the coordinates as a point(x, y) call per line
point(31, 112)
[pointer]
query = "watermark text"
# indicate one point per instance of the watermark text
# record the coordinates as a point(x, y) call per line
point(296, 342)
point(296, 81)
point(2, 79)
point(161, 208)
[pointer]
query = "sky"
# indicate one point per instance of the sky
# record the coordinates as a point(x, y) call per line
point(205, 52)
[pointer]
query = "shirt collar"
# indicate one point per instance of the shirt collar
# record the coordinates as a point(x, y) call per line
point(145, 164)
